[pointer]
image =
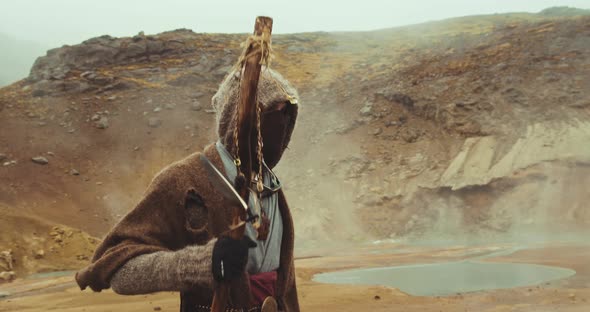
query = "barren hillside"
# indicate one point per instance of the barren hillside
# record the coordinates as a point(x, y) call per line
point(474, 126)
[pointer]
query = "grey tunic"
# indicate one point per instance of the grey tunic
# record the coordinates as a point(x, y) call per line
point(266, 255)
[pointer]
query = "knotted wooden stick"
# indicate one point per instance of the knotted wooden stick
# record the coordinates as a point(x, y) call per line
point(255, 54)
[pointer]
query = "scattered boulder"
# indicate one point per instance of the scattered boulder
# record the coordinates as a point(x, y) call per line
point(102, 80)
point(74, 172)
point(154, 122)
point(39, 254)
point(197, 95)
point(57, 234)
point(515, 96)
point(196, 106)
point(7, 276)
point(367, 110)
point(58, 230)
point(43, 88)
point(117, 86)
point(572, 296)
point(391, 123)
point(470, 128)
point(9, 163)
point(472, 105)
point(102, 123)
point(58, 238)
point(410, 135)
point(403, 99)
point(40, 160)
point(90, 75)
point(6, 260)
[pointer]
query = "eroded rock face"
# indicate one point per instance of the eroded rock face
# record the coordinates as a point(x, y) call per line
point(6, 266)
point(104, 50)
point(73, 68)
point(6, 260)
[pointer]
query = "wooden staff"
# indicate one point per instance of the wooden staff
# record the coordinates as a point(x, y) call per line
point(247, 122)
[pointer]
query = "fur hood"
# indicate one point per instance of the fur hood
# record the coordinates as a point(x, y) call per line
point(272, 90)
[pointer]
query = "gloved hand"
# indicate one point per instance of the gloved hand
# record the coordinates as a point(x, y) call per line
point(230, 257)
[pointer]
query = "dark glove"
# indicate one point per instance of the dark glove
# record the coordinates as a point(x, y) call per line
point(230, 257)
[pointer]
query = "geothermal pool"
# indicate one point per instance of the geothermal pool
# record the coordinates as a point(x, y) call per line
point(450, 278)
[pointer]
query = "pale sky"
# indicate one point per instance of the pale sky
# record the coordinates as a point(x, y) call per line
point(56, 22)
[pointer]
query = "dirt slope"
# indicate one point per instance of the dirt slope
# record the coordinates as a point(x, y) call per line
point(30, 245)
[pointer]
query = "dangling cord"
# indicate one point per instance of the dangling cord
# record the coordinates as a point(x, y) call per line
point(237, 160)
point(259, 184)
point(262, 226)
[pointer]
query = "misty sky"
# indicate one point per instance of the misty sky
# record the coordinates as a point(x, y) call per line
point(56, 22)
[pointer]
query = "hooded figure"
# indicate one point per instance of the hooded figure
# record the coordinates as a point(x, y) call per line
point(169, 241)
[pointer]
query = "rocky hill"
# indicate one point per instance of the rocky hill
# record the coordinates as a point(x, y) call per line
point(476, 126)
point(564, 11)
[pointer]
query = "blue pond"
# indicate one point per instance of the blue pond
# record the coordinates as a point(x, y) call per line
point(443, 279)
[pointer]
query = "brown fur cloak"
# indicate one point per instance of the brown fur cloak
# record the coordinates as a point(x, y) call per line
point(164, 221)
point(181, 207)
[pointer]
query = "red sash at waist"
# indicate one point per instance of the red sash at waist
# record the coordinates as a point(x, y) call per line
point(263, 285)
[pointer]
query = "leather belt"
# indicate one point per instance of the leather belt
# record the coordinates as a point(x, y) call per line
point(202, 308)
point(269, 305)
